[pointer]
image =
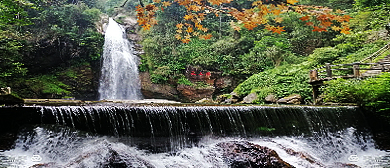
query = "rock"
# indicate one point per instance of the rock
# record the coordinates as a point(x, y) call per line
point(271, 98)
point(10, 99)
point(222, 98)
point(193, 94)
point(345, 165)
point(235, 95)
point(5, 91)
point(224, 83)
point(249, 98)
point(156, 91)
point(292, 99)
point(246, 154)
point(206, 101)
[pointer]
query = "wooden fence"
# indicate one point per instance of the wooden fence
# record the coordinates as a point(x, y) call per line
point(327, 72)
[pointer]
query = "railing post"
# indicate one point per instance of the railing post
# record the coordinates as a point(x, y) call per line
point(328, 70)
point(315, 93)
point(356, 72)
point(313, 74)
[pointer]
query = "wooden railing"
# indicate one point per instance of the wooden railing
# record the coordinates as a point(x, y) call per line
point(352, 70)
point(327, 72)
point(376, 54)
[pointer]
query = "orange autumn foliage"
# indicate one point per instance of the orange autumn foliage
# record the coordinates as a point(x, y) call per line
point(321, 19)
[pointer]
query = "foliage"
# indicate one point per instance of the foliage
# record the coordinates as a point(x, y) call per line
point(29, 30)
point(319, 18)
point(161, 75)
point(184, 81)
point(47, 84)
point(370, 3)
point(281, 81)
point(373, 92)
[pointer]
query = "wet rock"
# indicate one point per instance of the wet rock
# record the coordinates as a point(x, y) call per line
point(193, 93)
point(292, 99)
point(156, 91)
point(246, 154)
point(271, 98)
point(222, 98)
point(249, 98)
point(7, 140)
point(44, 165)
point(346, 165)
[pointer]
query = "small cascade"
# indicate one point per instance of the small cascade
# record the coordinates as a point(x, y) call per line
point(170, 121)
point(119, 78)
point(169, 136)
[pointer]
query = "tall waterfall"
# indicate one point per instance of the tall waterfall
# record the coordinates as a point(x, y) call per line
point(119, 78)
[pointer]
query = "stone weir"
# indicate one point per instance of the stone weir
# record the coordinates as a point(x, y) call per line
point(183, 121)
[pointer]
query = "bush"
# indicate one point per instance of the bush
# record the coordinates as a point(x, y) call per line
point(281, 81)
point(184, 81)
point(161, 75)
point(374, 92)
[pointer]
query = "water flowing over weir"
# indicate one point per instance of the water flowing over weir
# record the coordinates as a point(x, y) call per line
point(169, 136)
point(119, 78)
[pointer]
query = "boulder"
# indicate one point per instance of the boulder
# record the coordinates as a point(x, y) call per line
point(235, 95)
point(271, 98)
point(249, 98)
point(246, 154)
point(193, 93)
point(5, 91)
point(222, 98)
point(292, 99)
point(156, 91)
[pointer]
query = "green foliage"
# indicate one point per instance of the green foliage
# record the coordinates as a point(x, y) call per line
point(373, 92)
point(371, 18)
point(281, 81)
point(324, 55)
point(370, 3)
point(47, 84)
point(9, 57)
point(201, 84)
point(14, 13)
point(184, 81)
point(267, 53)
point(161, 75)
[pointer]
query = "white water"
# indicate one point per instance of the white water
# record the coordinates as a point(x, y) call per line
point(119, 78)
point(68, 148)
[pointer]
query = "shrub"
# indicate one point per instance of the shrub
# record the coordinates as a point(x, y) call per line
point(184, 81)
point(161, 75)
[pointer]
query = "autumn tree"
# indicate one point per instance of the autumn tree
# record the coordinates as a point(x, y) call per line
point(266, 13)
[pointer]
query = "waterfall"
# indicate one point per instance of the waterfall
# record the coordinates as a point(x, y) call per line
point(188, 136)
point(119, 75)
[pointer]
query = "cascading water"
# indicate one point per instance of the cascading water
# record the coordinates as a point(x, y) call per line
point(119, 78)
point(146, 136)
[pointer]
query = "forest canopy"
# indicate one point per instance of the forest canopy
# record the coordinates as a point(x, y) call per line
point(265, 13)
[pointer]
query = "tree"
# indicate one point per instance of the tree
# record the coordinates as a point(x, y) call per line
point(264, 13)
point(13, 16)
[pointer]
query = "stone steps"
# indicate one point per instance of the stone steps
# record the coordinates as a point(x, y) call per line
point(369, 73)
